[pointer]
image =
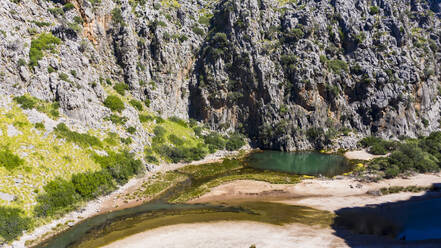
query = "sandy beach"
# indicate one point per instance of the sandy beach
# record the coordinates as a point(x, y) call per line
point(361, 155)
point(323, 194)
point(329, 194)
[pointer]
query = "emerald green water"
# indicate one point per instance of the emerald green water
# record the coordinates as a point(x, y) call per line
point(303, 163)
point(109, 227)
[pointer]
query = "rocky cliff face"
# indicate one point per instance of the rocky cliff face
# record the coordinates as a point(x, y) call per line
point(289, 74)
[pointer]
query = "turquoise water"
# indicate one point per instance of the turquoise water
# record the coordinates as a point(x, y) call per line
point(303, 163)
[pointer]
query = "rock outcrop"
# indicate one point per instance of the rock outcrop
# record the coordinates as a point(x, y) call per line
point(289, 74)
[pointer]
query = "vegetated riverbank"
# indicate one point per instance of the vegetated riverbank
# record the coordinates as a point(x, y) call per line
point(321, 194)
point(115, 200)
point(215, 176)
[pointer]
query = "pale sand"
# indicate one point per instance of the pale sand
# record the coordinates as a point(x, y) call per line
point(231, 234)
point(321, 194)
point(324, 194)
point(361, 155)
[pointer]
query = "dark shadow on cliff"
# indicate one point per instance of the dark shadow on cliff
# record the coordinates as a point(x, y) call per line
point(415, 222)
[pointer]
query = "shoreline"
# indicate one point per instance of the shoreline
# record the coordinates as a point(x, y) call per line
point(362, 154)
point(323, 194)
point(100, 205)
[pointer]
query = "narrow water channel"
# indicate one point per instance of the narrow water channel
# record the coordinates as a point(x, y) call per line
point(109, 227)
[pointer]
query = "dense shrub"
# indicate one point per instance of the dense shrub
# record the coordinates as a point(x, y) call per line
point(114, 103)
point(45, 41)
point(131, 130)
point(60, 196)
point(116, 119)
point(126, 141)
point(178, 154)
point(406, 157)
point(197, 131)
point(151, 159)
point(25, 102)
point(337, 66)
point(378, 149)
point(81, 139)
point(175, 140)
point(9, 160)
point(373, 10)
point(159, 131)
point(377, 145)
point(136, 104)
point(39, 125)
point(68, 6)
point(432, 144)
point(315, 133)
point(92, 184)
point(198, 31)
point(234, 142)
point(178, 121)
point(120, 165)
point(117, 17)
point(214, 142)
point(12, 223)
point(121, 88)
point(145, 118)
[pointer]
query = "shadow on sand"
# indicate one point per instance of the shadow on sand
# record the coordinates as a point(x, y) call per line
point(415, 222)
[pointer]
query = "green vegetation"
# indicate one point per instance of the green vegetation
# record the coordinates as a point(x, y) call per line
point(131, 130)
point(28, 102)
point(117, 17)
point(82, 139)
point(92, 184)
point(178, 121)
point(377, 145)
point(61, 195)
point(68, 6)
point(114, 103)
point(136, 104)
point(121, 88)
point(12, 223)
point(411, 155)
point(373, 10)
point(178, 154)
point(116, 119)
point(234, 142)
point(214, 141)
point(25, 102)
point(120, 165)
point(45, 158)
point(398, 189)
point(198, 31)
point(9, 160)
point(46, 41)
point(337, 66)
point(175, 140)
point(145, 118)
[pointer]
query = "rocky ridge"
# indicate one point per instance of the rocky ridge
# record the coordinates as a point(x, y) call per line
point(288, 74)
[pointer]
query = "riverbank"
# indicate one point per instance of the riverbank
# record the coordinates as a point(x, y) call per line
point(113, 201)
point(323, 194)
